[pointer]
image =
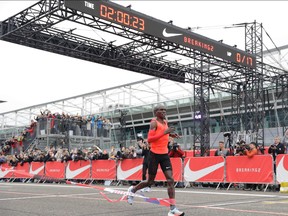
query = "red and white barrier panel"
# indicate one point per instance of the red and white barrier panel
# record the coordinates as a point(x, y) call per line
point(55, 169)
point(258, 169)
point(204, 169)
point(6, 171)
point(78, 169)
point(22, 171)
point(282, 168)
point(104, 170)
point(37, 168)
point(130, 169)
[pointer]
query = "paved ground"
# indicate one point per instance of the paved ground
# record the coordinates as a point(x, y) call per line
point(17, 199)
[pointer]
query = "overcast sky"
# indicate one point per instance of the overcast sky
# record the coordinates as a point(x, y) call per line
point(30, 76)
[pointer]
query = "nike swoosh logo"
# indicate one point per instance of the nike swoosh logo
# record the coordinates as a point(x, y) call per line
point(121, 174)
point(4, 173)
point(282, 173)
point(190, 175)
point(166, 34)
point(72, 173)
point(35, 172)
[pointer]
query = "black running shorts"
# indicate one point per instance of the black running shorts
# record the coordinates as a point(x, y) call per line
point(155, 159)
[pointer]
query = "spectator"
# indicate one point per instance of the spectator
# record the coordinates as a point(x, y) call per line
point(12, 160)
point(221, 151)
point(104, 155)
point(95, 155)
point(240, 148)
point(251, 150)
point(65, 156)
point(2, 158)
point(276, 148)
point(50, 156)
point(176, 150)
point(100, 126)
point(107, 127)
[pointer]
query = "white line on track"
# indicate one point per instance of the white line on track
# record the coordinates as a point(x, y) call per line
point(45, 196)
point(156, 190)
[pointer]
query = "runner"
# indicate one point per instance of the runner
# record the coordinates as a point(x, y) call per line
point(158, 137)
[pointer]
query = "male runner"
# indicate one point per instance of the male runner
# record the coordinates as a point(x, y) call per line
point(158, 137)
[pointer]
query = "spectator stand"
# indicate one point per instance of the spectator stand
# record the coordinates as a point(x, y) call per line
point(69, 133)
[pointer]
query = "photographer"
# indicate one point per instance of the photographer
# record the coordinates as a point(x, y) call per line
point(240, 148)
point(276, 148)
point(77, 155)
point(175, 151)
point(251, 150)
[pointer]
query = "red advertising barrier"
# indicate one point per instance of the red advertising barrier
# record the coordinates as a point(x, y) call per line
point(104, 170)
point(6, 171)
point(204, 169)
point(130, 169)
point(55, 169)
point(258, 169)
point(189, 153)
point(282, 168)
point(78, 169)
point(239, 169)
point(22, 171)
point(37, 168)
point(177, 171)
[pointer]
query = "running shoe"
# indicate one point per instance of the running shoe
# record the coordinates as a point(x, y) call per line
point(146, 189)
point(175, 212)
point(129, 197)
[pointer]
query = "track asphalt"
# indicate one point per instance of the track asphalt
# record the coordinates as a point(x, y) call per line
point(31, 199)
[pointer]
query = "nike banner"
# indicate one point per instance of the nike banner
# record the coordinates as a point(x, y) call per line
point(37, 168)
point(130, 169)
point(204, 169)
point(6, 171)
point(78, 169)
point(282, 168)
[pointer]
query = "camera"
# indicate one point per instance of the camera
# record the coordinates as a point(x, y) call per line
point(175, 146)
point(240, 148)
point(247, 147)
point(262, 149)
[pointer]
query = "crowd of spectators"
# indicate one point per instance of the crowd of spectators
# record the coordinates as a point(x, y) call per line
point(56, 123)
point(16, 142)
point(94, 152)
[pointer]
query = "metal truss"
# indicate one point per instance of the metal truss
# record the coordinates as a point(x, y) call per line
point(41, 26)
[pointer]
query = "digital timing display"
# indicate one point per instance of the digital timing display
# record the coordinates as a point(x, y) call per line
point(132, 19)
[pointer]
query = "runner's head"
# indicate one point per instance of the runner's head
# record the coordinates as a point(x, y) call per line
point(160, 111)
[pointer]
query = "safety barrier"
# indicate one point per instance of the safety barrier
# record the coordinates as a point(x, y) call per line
point(232, 169)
